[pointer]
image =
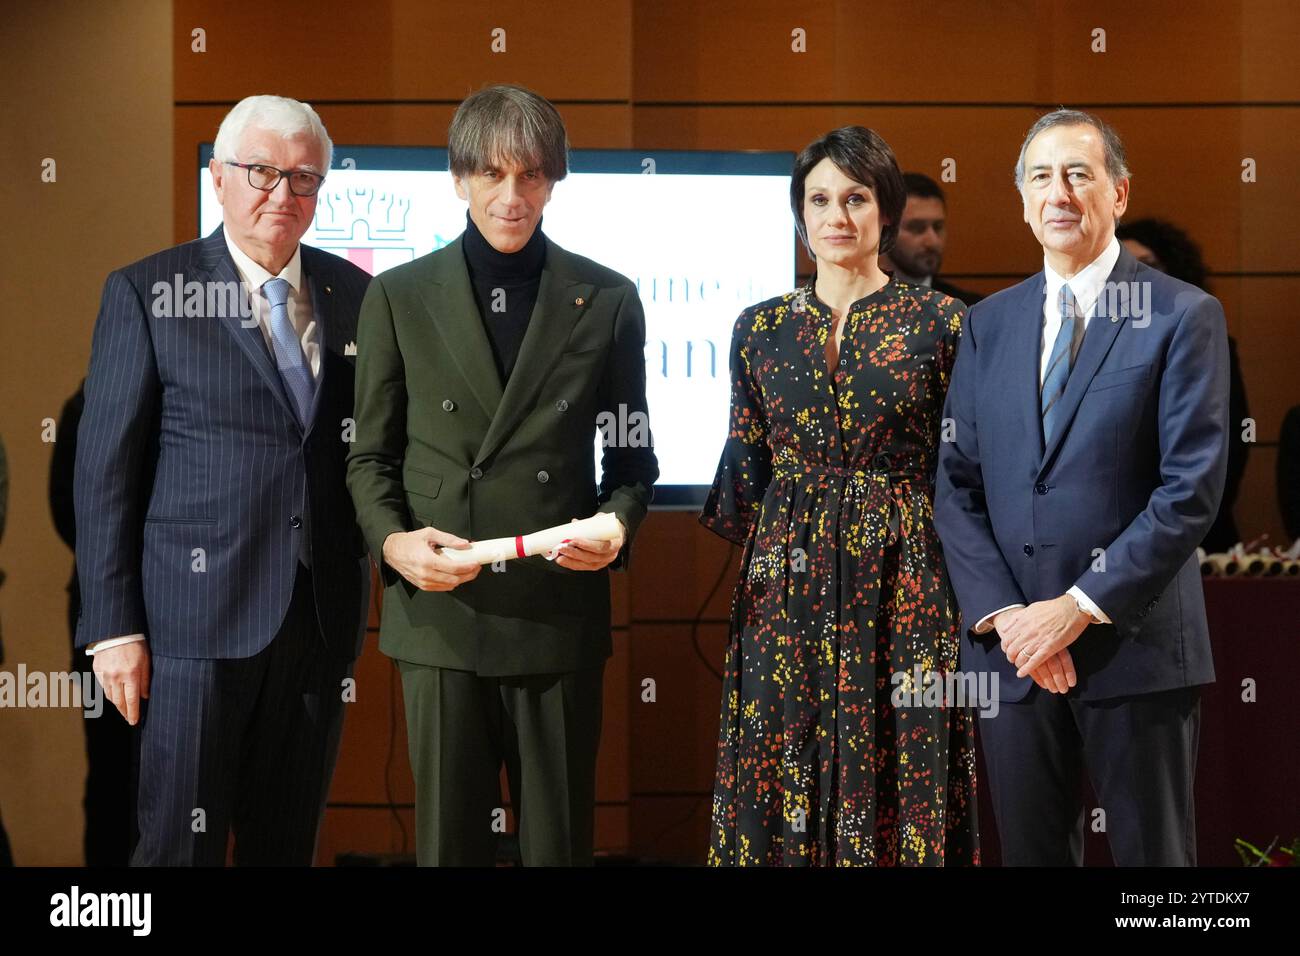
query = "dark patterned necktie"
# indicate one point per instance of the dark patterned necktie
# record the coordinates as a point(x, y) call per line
point(1059, 364)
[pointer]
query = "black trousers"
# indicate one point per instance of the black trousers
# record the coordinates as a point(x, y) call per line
point(546, 729)
point(245, 745)
point(111, 764)
point(1139, 753)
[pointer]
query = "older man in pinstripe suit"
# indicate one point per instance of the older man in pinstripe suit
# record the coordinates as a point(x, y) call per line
point(223, 578)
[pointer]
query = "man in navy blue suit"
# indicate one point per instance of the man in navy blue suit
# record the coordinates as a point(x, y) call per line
point(1089, 417)
point(223, 578)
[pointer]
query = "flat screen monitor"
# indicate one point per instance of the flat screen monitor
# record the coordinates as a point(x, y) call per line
point(702, 234)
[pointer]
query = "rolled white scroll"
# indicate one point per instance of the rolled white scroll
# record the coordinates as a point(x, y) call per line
point(600, 527)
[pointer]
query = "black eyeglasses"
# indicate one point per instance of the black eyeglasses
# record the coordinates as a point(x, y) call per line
point(266, 178)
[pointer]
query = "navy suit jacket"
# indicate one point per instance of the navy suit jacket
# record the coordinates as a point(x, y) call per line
point(189, 441)
point(1117, 503)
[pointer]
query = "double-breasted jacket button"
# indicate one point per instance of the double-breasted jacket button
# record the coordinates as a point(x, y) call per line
point(543, 477)
point(1029, 550)
point(562, 406)
point(476, 473)
point(448, 405)
point(295, 521)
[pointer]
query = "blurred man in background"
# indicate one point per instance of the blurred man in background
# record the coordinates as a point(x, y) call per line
point(917, 255)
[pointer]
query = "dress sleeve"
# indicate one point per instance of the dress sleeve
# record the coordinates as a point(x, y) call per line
point(951, 313)
point(745, 468)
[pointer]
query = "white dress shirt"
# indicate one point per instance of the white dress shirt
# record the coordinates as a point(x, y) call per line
point(1086, 285)
point(300, 312)
point(304, 324)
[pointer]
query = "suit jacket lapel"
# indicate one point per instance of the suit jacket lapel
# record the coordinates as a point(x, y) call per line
point(216, 261)
point(1028, 344)
point(450, 302)
point(1097, 340)
point(561, 300)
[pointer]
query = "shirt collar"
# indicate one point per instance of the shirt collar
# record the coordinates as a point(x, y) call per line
point(1087, 282)
point(805, 297)
point(255, 276)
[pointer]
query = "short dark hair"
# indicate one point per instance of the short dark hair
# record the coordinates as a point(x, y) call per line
point(862, 155)
point(1176, 250)
point(923, 187)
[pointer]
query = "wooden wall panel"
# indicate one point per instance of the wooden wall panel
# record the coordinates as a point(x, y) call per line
point(403, 50)
point(1258, 512)
point(1268, 32)
point(1270, 242)
point(1149, 47)
point(674, 738)
point(674, 587)
point(1269, 349)
point(671, 828)
point(1194, 89)
point(740, 51)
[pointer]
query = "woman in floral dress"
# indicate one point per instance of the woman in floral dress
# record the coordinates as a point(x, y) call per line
point(826, 479)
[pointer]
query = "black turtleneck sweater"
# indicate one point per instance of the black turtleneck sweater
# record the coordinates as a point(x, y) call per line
point(518, 275)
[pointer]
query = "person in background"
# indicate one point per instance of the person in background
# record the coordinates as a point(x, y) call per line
point(1164, 246)
point(110, 750)
point(917, 254)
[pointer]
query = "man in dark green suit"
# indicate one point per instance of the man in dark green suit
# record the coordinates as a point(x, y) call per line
point(482, 370)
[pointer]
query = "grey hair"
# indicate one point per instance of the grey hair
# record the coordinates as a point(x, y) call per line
point(507, 124)
point(275, 114)
point(1112, 145)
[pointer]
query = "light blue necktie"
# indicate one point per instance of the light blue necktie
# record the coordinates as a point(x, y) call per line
point(1058, 365)
point(289, 357)
point(295, 374)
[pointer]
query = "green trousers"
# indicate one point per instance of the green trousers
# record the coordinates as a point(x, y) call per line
point(461, 727)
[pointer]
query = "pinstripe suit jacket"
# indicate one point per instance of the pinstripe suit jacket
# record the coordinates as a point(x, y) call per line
point(194, 480)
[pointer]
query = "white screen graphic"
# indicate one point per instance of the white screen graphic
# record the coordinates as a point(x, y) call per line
point(700, 247)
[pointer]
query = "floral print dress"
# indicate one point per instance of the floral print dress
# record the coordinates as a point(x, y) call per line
point(827, 482)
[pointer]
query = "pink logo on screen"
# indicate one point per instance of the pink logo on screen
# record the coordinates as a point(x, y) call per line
point(366, 227)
